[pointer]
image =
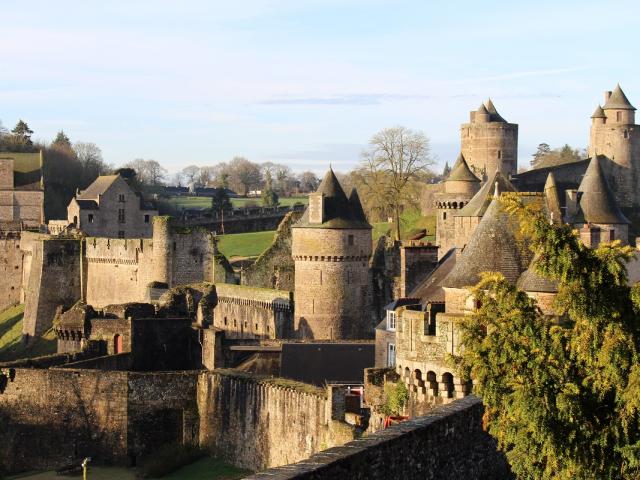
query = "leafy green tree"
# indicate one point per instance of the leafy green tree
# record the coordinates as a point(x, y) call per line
point(561, 396)
point(220, 200)
point(396, 396)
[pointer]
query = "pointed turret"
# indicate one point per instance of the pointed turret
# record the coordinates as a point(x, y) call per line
point(494, 116)
point(329, 207)
point(531, 281)
point(599, 113)
point(493, 247)
point(478, 205)
point(597, 203)
point(617, 100)
point(461, 172)
point(552, 199)
point(356, 206)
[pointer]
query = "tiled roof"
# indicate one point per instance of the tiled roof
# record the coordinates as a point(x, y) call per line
point(461, 172)
point(618, 101)
point(481, 200)
point(494, 116)
point(98, 187)
point(531, 281)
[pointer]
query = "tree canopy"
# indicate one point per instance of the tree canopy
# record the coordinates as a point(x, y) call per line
point(562, 394)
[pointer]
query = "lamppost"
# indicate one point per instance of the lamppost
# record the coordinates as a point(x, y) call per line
point(85, 466)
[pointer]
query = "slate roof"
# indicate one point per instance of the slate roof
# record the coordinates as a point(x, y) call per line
point(552, 199)
point(482, 109)
point(98, 187)
point(493, 247)
point(531, 281)
point(618, 101)
point(87, 204)
point(599, 113)
point(461, 172)
point(597, 203)
point(494, 116)
point(339, 212)
point(481, 200)
point(430, 289)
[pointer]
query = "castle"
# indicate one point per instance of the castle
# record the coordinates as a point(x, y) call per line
point(158, 344)
point(597, 196)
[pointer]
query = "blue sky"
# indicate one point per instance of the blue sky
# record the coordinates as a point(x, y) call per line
point(307, 82)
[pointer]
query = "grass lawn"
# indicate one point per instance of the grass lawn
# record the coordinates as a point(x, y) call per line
point(411, 222)
point(205, 202)
point(245, 244)
point(11, 346)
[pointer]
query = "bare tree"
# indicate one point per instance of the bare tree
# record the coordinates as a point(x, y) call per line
point(191, 173)
point(244, 175)
point(283, 174)
point(149, 172)
point(206, 175)
point(309, 182)
point(395, 157)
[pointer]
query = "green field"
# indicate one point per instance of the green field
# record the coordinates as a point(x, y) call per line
point(253, 244)
point(205, 202)
point(11, 346)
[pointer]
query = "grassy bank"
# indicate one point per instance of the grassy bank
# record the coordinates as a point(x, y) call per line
point(11, 345)
point(180, 203)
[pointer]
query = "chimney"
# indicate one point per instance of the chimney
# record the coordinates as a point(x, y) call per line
point(607, 94)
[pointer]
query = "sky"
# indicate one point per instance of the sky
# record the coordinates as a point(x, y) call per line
point(307, 82)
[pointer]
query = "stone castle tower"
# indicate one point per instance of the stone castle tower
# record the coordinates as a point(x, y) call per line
point(331, 248)
point(459, 187)
point(489, 142)
point(615, 135)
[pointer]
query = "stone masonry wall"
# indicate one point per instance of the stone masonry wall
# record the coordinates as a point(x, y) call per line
point(447, 443)
point(10, 270)
point(256, 422)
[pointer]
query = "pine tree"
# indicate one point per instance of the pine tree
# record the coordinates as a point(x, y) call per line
point(541, 153)
point(447, 170)
point(62, 140)
point(562, 396)
point(22, 133)
point(269, 197)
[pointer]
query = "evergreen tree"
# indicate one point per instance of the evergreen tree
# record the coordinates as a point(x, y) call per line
point(62, 140)
point(220, 200)
point(447, 171)
point(269, 197)
point(561, 396)
point(541, 153)
point(21, 133)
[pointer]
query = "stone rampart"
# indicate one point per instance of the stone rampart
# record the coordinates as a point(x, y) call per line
point(253, 313)
point(258, 422)
point(10, 269)
point(447, 443)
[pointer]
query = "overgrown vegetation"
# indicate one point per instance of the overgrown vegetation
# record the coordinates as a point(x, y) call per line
point(396, 396)
point(562, 398)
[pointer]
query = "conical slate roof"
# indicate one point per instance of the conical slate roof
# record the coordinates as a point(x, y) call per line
point(356, 206)
point(481, 200)
point(532, 281)
point(482, 109)
point(461, 172)
point(597, 203)
point(494, 115)
point(492, 248)
point(552, 199)
point(599, 113)
point(338, 210)
point(618, 100)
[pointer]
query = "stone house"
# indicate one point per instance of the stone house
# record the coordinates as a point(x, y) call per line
point(110, 207)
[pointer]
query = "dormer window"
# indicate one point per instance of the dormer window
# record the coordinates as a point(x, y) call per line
point(391, 320)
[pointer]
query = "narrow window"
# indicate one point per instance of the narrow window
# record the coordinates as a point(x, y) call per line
point(350, 239)
point(391, 355)
point(225, 320)
point(612, 235)
point(121, 197)
point(625, 134)
point(121, 234)
point(444, 215)
point(499, 154)
point(391, 320)
point(90, 218)
point(619, 116)
point(121, 218)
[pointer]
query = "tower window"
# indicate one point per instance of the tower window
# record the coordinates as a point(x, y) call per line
point(625, 134)
point(618, 116)
point(90, 218)
point(121, 218)
point(350, 239)
point(146, 219)
point(499, 154)
point(444, 215)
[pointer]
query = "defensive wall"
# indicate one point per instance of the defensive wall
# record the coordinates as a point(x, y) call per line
point(54, 416)
point(246, 312)
point(104, 271)
point(10, 268)
point(449, 442)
